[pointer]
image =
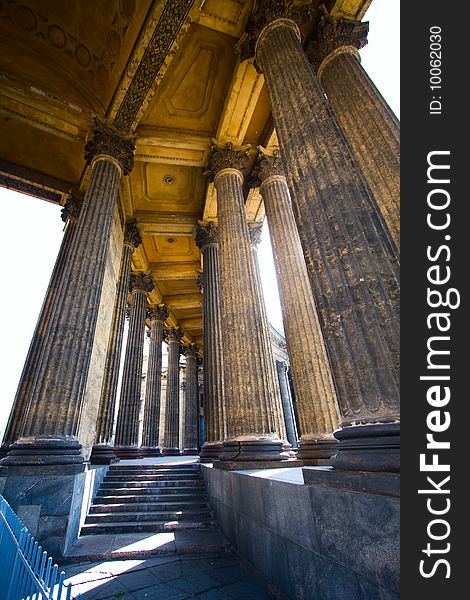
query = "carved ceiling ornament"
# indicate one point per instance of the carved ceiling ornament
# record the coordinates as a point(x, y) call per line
point(265, 12)
point(165, 33)
point(132, 234)
point(160, 312)
point(140, 282)
point(206, 233)
point(225, 156)
point(59, 39)
point(106, 141)
point(334, 34)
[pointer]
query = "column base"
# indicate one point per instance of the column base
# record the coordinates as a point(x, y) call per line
point(145, 451)
point(44, 451)
point(171, 452)
point(190, 452)
point(210, 451)
point(287, 447)
point(317, 451)
point(373, 447)
point(102, 454)
point(253, 450)
point(127, 452)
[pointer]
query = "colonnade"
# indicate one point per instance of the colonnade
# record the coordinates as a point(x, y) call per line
point(330, 195)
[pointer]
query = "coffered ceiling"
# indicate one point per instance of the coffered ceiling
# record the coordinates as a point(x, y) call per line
point(163, 70)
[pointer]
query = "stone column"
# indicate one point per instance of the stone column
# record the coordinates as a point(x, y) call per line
point(252, 425)
point(59, 368)
point(215, 427)
point(287, 408)
point(190, 442)
point(171, 435)
point(127, 427)
point(371, 128)
point(103, 452)
point(314, 390)
point(352, 270)
point(69, 215)
point(271, 380)
point(153, 387)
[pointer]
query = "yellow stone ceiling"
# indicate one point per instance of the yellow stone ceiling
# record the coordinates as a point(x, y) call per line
point(163, 70)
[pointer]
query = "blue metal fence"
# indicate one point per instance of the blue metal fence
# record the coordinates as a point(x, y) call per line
point(26, 572)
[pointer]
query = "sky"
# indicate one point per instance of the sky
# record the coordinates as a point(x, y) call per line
point(33, 230)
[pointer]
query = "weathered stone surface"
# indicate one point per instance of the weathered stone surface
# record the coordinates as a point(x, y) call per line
point(97, 374)
point(352, 268)
point(104, 423)
point(127, 428)
point(151, 428)
point(215, 426)
point(172, 414)
point(287, 408)
point(50, 432)
point(370, 127)
point(191, 401)
point(249, 404)
point(314, 389)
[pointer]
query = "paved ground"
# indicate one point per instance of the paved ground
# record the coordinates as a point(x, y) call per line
point(170, 577)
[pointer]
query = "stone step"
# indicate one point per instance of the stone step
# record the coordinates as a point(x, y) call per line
point(157, 498)
point(175, 515)
point(152, 491)
point(155, 526)
point(151, 484)
point(152, 468)
point(102, 547)
point(156, 477)
point(149, 507)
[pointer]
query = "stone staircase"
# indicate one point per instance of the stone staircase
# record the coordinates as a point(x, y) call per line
point(150, 498)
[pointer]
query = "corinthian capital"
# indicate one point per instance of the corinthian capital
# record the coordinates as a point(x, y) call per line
point(158, 313)
point(226, 157)
point(265, 12)
point(106, 141)
point(132, 234)
point(173, 334)
point(266, 166)
point(141, 282)
point(255, 230)
point(71, 209)
point(189, 349)
point(335, 34)
point(206, 233)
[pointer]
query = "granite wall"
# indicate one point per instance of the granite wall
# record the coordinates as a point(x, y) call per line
point(312, 542)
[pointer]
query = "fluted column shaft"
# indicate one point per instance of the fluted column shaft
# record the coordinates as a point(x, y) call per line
point(16, 419)
point(190, 442)
point(127, 427)
point(171, 434)
point(370, 127)
point(287, 408)
point(153, 386)
point(102, 451)
point(52, 417)
point(351, 268)
point(215, 427)
point(252, 425)
point(270, 377)
point(314, 389)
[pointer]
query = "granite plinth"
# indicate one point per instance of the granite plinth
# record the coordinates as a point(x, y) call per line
point(386, 484)
point(102, 454)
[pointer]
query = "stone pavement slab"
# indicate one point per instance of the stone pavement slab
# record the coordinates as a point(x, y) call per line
point(212, 577)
